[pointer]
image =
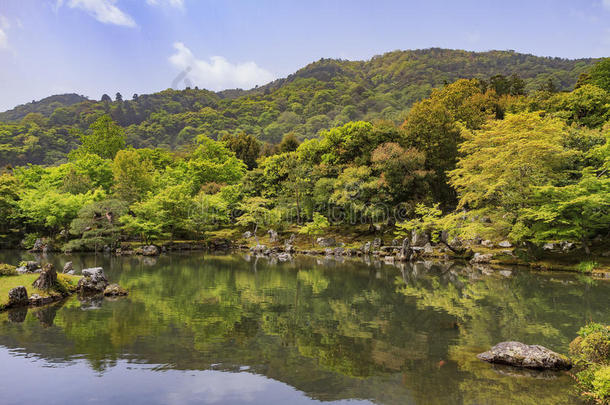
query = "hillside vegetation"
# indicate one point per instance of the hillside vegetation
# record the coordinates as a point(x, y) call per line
point(322, 95)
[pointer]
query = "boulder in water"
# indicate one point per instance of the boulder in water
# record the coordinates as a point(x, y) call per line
point(93, 281)
point(528, 356)
point(18, 296)
point(115, 290)
point(150, 250)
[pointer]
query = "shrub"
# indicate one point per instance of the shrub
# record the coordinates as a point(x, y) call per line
point(66, 284)
point(29, 240)
point(586, 267)
point(592, 344)
point(591, 354)
point(7, 270)
point(601, 383)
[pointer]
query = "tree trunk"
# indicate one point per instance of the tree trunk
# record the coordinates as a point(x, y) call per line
point(254, 234)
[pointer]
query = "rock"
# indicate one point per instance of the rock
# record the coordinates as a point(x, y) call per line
point(505, 244)
point(114, 290)
point(38, 300)
point(17, 297)
point(326, 242)
point(481, 258)
point(150, 250)
point(419, 238)
point(289, 249)
point(377, 242)
point(528, 356)
point(71, 272)
point(428, 248)
point(94, 281)
point(339, 251)
point(284, 257)
point(566, 246)
point(38, 246)
point(548, 246)
point(220, 244)
point(96, 273)
point(487, 243)
point(272, 236)
point(366, 248)
point(28, 267)
point(258, 249)
point(329, 252)
point(68, 267)
point(47, 279)
point(247, 235)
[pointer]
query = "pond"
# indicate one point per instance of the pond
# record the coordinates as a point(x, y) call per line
point(233, 329)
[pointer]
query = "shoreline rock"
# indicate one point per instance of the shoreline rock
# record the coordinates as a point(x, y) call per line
point(519, 354)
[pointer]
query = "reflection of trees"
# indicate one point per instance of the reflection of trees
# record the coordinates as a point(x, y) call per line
point(309, 323)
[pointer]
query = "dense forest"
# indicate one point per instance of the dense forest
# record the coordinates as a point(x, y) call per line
point(492, 145)
point(322, 95)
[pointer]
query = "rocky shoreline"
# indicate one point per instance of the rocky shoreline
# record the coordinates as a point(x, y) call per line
point(59, 286)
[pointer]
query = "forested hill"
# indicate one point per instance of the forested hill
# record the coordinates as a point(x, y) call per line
point(46, 106)
point(324, 94)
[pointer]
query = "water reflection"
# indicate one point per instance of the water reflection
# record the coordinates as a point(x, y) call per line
point(331, 330)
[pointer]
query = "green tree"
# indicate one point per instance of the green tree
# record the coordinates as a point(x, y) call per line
point(318, 225)
point(505, 160)
point(600, 74)
point(133, 175)
point(97, 225)
point(104, 138)
point(246, 147)
point(576, 212)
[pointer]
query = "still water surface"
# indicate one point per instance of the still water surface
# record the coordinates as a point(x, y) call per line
point(230, 330)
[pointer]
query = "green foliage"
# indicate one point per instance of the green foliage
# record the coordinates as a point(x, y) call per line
point(133, 175)
point(591, 353)
point(104, 138)
point(97, 225)
point(317, 226)
point(586, 266)
point(599, 75)
point(322, 95)
point(428, 221)
point(601, 383)
point(7, 270)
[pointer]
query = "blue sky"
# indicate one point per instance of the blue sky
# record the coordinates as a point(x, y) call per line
point(93, 47)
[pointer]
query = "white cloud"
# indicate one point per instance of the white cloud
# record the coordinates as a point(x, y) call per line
point(104, 11)
point(218, 73)
point(3, 39)
point(173, 3)
point(4, 26)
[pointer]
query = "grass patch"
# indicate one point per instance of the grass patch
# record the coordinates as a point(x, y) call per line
point(586, 266)
point(65, 284)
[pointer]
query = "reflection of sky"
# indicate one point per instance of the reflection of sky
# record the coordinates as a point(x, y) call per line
point(28, 381)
